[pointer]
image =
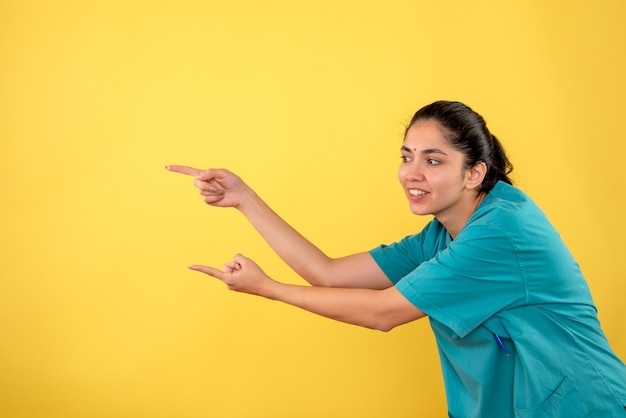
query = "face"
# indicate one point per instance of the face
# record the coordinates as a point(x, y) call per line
point(433, 175)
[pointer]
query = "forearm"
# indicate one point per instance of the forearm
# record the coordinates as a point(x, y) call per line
point(294, 249)
point(375, 309)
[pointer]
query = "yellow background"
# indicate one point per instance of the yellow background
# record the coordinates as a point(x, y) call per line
point(307, 101)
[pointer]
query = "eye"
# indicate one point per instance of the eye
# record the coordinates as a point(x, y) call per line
point(432, 161)
point(405, 158)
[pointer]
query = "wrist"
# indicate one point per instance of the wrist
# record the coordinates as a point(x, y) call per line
point(247, 199)
point(271, 289)
point(251, 206)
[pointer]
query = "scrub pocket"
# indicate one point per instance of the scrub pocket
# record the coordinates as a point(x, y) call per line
point(558, 404)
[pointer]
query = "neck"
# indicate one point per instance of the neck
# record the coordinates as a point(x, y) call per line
point(455, 223)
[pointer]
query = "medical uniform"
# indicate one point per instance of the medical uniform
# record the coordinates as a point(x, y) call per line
point(515, 324)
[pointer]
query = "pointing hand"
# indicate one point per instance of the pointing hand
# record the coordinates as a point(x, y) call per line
point(219, 187)
point(241, 275)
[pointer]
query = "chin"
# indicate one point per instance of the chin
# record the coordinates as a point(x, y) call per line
point(419, 212)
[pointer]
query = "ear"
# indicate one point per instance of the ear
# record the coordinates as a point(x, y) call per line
point(476, 175)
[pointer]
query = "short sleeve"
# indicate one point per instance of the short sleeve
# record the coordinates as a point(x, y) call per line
point(475, 277)
point(402, 257)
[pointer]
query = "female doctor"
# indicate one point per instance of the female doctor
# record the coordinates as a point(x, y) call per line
point(514, 321)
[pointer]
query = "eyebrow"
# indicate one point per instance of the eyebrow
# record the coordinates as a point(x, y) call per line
point(426, 151)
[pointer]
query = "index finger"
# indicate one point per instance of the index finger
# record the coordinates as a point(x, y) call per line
point(183, 169)
point(211, 271)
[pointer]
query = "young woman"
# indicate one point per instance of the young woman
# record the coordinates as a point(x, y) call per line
point(512, 315)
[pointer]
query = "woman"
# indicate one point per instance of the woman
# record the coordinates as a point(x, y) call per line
point(513, 318)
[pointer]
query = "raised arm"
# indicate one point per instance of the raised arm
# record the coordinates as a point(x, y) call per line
point(222, 188)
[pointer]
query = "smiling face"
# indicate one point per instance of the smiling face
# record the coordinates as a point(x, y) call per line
point(435, 179)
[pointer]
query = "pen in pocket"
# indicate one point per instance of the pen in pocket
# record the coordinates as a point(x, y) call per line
point(501, 343)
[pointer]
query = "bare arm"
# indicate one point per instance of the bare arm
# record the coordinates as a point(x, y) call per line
point(223, 188)
point(376, 309)
point(356, 270)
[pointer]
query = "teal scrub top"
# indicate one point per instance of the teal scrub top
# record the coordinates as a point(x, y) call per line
point(508, 275)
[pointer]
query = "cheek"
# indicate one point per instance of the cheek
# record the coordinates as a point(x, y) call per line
point(401, 173)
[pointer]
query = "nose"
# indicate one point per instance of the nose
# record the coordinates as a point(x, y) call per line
point(414, 171)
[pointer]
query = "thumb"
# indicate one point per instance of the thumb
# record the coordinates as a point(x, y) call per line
point(231, 267)
point(240, 259)
point(215, 174)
